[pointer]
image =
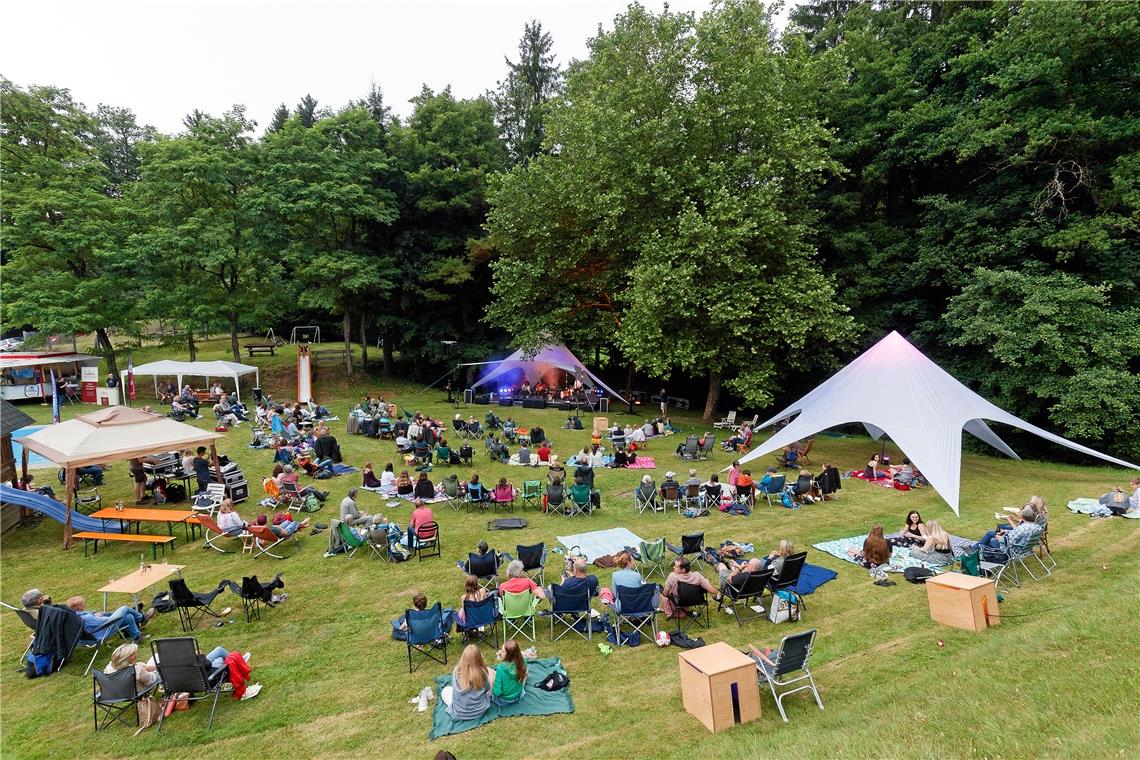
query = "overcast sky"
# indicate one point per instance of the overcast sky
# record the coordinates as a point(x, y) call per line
point(164, 58)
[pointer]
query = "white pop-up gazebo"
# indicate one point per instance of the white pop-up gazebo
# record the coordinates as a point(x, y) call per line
point(893, 389)
point(215, 369)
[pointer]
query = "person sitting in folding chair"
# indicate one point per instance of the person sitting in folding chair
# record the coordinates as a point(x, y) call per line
point(579, 580)
point(518, 581)
point(626, 575)
point(682, 573)
point(126, 620)
point(473, 591)
point(126, 656)
point(734, 573)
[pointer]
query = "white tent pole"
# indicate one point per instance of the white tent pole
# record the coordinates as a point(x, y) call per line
point(237, 386)
point(155, 385)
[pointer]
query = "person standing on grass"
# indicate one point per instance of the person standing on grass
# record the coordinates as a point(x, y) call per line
point(202, 469)
point(139, 476)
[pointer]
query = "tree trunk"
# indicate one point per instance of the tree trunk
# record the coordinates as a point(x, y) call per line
point(714, 394)
point(364, 339)
point(389, 360)
point(347, 340)
point(234, 336)
point(103, 341)
point(192, 346)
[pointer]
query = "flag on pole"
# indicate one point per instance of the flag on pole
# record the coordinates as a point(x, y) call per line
point(54, 398)
point(131, 378)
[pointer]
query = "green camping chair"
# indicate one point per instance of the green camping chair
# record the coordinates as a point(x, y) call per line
point(653, 558)
point(351, 542)
point(517, 611)
point(532, 494)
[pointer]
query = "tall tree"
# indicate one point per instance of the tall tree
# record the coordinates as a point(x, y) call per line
point(307, 111)
point(60, 222)
point(521, 99)
point(201, 228)
point(116, 140)
point(277, 121)
point(320, 183)
point(687, 151)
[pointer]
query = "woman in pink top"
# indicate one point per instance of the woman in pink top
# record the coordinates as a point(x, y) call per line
point(734, 474)
point(421, 515)
point(518, 581)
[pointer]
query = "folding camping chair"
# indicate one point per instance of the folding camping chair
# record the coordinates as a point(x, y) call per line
point(646, 501)
point(485, 567)
point(580, 500)
point(480, 622)
point(426, 636)
point(789, 576)
point(692, 546)
point(291, 497)
point(692, 496)
point(690, 448)
point(707, 448)
point(653, 558)
point(264, 540)
point(746, 495)
point(774, 489)
point(351, 541)
point(532, 494)
point(193, 606)
point(533, 558)
point(451, 493)
point(570, 609)
point(794, 655)
point(687, 597)
point(671, 498)
point(500, 498)
point(209, 525)
point(477, 497)
point(517, 612)
point(739, 600)
point(254, 594)
point(186, 675)
point(635, 606)
point(426, 541)
point(115, 693)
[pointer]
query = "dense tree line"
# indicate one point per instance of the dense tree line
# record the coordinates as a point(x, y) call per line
point(701, 196)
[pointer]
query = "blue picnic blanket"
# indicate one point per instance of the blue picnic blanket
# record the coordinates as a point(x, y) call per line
point(536, 701)
point(344, 469)
point(812, 577)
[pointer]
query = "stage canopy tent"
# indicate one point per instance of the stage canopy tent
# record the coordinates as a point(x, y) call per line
point(894, 389)
point(216, 369)
point(16, 361)
point(554, 356)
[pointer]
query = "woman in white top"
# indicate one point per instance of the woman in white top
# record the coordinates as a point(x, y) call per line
point(388, 481)
point(126, 656)
point(228, 520)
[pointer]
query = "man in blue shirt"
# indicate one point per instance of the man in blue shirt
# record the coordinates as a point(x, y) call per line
point(579, 580)
point(97, 624)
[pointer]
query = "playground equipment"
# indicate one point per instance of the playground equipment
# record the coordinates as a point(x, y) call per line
point(314, 331)
point(304, 375)
point(48, 507)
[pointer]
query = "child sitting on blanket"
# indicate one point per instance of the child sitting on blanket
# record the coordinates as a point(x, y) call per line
point(876, 550)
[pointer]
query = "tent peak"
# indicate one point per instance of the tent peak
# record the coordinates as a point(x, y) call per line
point(117, 415)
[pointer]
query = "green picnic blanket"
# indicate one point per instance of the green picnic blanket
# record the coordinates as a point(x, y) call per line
point(536, 701)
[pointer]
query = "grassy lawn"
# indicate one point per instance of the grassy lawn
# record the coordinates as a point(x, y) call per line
point(1057, 678)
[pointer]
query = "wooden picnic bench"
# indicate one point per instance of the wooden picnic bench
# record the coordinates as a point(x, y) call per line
point(93, 537)
point(334, 356)
point(260, 348)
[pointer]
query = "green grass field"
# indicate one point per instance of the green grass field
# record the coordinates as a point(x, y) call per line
point(1058, 678)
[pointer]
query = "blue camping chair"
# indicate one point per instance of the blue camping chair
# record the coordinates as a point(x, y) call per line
point(570, 609)
point(483, 615)
point(635, 606)
point(485, 567)
point(426, 636)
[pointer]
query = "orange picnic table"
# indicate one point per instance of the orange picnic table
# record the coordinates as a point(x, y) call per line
point(138, 515)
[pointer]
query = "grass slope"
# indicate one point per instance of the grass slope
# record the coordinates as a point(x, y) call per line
point(1058, 678)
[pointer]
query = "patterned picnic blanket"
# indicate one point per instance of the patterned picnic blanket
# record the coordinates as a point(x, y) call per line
point(596, 543)
point(900, 557)
point(1092, 506)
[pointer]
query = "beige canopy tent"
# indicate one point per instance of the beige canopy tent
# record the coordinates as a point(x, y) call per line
point(118, 433)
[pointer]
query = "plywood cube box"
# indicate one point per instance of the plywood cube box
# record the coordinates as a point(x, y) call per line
point(719, 686)
point(963, 601)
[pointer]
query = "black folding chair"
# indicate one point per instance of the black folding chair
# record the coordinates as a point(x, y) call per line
point(570, 609)
point(480, 622)
point(426, 541)
point(686, 598)
point(635, 607)
point(113, 694)
point(485, 567)
point(182, 668)
point(693, 547)
point(254, 594)
point(192, 606)
point(534, 561)
point(739, 599)
point(789, 576)
point(425, 636)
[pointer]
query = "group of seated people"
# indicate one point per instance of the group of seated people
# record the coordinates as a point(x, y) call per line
point(96, 625)
point(1020, 528)
point(1118, 502)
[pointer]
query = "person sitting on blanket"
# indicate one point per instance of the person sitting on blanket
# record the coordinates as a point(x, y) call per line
point(126, 656)
point(905, 474)
point(634, 435)
point(518, 581)
point(876, 550)
point(229, 520)
point(1117, 502)
point(537, 436)
point(424, 488)
point(348, 511)
point(936, 549)
point(388, 480)
point(996, 545)
point(543, 451)
point(621, 459)
point(682, 573)
point(735, 573)
point(580, 580)
point(510, 675)
point(404, 485)
point(468, 695)
point(872, 471)
point(913, 532)
point(710, 492)
point(369, 477)
point(775, 558)
point(524, 455)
